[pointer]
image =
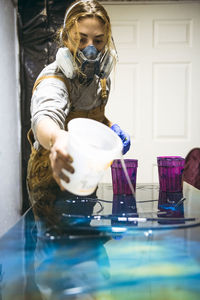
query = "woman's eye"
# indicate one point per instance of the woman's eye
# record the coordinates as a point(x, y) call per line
point(83, 41)
point(98, 41)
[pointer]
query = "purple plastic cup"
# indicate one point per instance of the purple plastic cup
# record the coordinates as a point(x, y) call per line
point(170, 169)
point(119, 180)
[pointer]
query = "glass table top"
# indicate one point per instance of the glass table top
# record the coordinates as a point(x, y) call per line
point(105, 246)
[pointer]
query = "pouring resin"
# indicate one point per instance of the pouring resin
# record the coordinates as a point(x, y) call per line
point(124, 173)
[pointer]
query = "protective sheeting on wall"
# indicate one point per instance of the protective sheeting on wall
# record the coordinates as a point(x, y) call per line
point(38, 21)
point(10, 176)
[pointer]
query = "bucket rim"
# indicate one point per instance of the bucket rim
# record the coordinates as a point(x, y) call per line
point(116, 152)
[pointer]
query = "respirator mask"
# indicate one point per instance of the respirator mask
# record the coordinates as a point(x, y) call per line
point(90, 62)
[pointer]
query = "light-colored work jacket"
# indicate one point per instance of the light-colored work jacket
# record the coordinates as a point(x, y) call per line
point(56, 96)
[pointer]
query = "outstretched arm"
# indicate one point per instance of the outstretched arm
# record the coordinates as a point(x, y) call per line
point(52, 138)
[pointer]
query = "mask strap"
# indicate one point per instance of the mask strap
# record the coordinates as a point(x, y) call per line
point(114, 48)
point(66, 15)
point(103, 88)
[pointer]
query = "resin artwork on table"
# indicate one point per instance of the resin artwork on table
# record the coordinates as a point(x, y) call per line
point(106, 247)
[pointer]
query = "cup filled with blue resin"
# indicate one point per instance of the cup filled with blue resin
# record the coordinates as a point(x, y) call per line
point(124, 174)
point(170, 169)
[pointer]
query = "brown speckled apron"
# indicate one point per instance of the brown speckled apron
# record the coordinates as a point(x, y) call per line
point(40, 182)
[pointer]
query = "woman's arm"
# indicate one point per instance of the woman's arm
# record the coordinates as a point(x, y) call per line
point(52, 138)
point(47, 131)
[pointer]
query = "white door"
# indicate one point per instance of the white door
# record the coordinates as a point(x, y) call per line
point(155, 93)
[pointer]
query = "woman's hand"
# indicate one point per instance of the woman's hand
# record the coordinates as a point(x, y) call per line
point(60, 159)
point(123, 136)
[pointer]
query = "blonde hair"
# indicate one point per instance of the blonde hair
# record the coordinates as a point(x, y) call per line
point(83, 9)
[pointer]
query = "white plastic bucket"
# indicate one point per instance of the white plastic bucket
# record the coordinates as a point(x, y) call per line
point(93, 146)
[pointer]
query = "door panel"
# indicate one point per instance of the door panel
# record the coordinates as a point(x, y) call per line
point(155, 85)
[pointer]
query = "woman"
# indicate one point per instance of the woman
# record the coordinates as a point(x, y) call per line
point(77, 84)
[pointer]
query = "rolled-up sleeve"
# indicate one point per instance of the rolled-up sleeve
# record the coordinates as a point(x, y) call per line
point(50, 99)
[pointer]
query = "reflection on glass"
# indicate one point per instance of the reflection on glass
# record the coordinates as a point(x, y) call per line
point(66, 268)
point(124, 207)
point(65, 258)
point(65, 215)
point(124, 214)
point(172, 205)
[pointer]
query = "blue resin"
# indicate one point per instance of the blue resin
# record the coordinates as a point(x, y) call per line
point(111, 247)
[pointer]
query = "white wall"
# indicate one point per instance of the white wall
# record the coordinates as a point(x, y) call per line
point(10, 185)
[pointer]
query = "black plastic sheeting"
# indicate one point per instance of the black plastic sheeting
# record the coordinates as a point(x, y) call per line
point(38, 21)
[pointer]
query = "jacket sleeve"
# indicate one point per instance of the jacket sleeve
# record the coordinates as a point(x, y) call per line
point(50, 99)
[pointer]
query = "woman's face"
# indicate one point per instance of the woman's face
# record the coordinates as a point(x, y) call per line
point(91, 31)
